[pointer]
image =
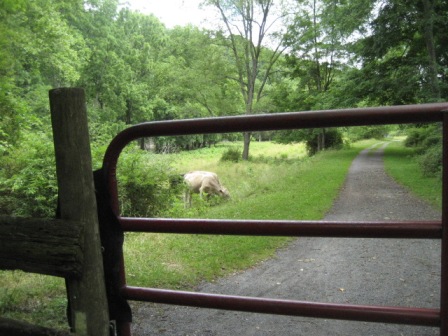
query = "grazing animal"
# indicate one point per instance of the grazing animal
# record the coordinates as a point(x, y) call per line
point(201, 182)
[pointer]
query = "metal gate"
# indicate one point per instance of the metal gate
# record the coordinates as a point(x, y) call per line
point(437, 317)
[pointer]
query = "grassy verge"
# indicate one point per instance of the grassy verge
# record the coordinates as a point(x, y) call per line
point(400, 163)
point(279, 183)
point(268, 187)
point(35, 298)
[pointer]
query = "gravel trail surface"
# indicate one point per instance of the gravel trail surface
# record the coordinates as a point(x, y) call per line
point(356, 271)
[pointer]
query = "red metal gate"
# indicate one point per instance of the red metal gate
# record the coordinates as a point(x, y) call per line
point(436, 317)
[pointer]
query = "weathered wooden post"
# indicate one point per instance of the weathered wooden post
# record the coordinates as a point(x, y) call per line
point(87, 295)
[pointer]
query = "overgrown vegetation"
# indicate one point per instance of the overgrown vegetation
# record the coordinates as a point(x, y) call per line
point(147, 185)
point(279, 182)
point(232, 155)
point(426, 142)
point(28, 179)
point(181, 261)
point(134, 69)
point(401, 164)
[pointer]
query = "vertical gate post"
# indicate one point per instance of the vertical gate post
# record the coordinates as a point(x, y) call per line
point(87, 295)
point(444, 271)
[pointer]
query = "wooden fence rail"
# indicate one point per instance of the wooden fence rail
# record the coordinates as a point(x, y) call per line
point(44, 246)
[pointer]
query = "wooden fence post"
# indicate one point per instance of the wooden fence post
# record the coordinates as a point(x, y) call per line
point(87, 295)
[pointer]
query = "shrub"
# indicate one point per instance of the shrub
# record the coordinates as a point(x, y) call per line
point(368, 132)
point(232, 154)
point(28, 184)
point(432, 140)
point(416, 136)
point(427, 141)
point(431, 161)
point(333, 139)
point(145, 183)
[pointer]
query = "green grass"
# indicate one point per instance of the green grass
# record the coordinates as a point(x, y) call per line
point(401, 164)
point(290, 186)
point(35, 298)
point(278, 183)
point(209, 158)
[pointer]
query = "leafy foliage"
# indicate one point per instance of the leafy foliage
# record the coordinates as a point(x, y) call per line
point(431, 161)
point(404, 56)
point(28, 185)
point(147, 184)
point(332, 139)
point(427, 142)
point(368, 132)
point(315, 139)
point(232, 155)
point(134, 69)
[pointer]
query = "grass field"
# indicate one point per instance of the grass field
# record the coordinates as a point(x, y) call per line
point(282, 185)
point(280, 182)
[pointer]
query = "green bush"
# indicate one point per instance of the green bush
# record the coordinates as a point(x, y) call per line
point(28, 184)
point(333, 139)
point(368, 132)
point(232, 154)
point(432, 140)
point(416, 136)
point(431, 161)
point(427, 141)
point(145, 183)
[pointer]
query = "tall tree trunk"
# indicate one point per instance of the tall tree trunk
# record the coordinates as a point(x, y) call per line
point(428, 19)
point(249, 110)
point(321, 140)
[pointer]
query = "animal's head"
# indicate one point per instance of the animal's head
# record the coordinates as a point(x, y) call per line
point(223, 192)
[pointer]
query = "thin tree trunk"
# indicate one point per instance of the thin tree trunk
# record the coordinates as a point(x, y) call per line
point(246, 137)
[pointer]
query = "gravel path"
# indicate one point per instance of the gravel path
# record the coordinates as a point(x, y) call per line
point(356, 271)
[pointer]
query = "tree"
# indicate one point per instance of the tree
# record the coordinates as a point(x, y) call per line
point(143, 39)
point(9, 121)
point(405, 54)
point(403, 62)
point(248, 26)
point(38, 50)
point(317, 41)
point(105, 68)
point(203, 73)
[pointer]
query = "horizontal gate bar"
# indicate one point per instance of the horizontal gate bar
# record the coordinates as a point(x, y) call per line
point(278, 121)
point(421, 229)
point(399, 315)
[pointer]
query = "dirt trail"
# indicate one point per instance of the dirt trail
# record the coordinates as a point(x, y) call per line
point(356, 271)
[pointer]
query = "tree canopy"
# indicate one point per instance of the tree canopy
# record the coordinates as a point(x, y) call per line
point(263, 56)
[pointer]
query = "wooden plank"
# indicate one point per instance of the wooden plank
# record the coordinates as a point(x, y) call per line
point(44, 246)
point(87, 296)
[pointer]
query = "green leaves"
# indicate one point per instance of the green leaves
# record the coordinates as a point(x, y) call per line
point(405, 51)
